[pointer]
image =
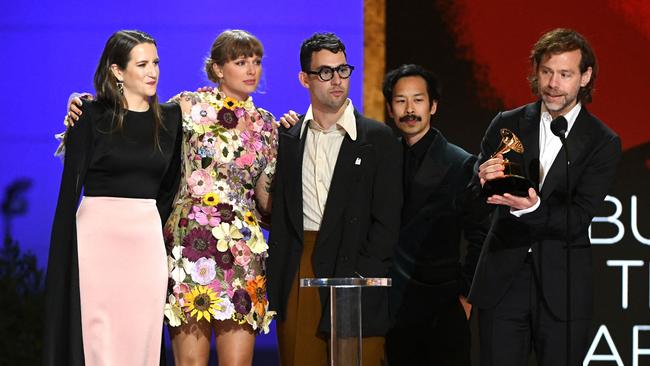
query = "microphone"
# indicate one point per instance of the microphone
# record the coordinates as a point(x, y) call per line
point(559, 127)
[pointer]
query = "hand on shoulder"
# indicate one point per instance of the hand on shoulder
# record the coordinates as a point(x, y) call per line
point(289, 119)
point(185, 100)
point(74, 107)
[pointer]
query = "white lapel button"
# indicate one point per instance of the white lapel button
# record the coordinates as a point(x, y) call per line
point(357, 162)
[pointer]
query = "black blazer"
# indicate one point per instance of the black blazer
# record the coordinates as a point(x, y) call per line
point(443, 205)
point(360, 223)
point(595, 152)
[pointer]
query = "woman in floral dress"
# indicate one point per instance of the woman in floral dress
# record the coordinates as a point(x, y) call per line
point(216, 250)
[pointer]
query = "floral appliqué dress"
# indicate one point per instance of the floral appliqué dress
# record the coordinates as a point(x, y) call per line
point(216, 249)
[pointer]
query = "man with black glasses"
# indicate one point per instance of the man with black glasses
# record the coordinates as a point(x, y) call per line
point(336, 209)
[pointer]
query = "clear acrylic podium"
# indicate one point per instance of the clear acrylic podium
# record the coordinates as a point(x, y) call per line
point(345, 315)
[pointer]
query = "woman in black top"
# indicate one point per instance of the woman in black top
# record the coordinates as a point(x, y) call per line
point(107, 272)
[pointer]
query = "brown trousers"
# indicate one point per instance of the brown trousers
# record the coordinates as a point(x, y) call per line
point(299, 343)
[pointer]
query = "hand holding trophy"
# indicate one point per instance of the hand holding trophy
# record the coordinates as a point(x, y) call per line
point(513, 180)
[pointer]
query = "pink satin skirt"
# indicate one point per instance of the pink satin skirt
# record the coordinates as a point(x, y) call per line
point(122, 280)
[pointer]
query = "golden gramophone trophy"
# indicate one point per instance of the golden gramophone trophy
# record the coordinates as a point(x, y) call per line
point(513, 181)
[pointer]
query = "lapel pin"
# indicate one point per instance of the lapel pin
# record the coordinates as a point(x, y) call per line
point(357, 162)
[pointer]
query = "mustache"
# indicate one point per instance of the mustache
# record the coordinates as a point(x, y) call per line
point(552, 91)
point(410, 117)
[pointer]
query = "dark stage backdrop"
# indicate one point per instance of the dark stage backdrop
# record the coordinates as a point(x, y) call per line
point(480, 51)
point(51, 48)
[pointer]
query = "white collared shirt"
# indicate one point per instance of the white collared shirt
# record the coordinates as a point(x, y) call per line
point(549, 144)
point(319, 159)
point(549, 147)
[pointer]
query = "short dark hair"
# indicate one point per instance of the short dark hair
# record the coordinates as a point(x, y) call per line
point(562, 40)
point(317, 42)
point(393, 76)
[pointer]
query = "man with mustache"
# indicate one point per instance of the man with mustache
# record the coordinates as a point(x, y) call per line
point(428, 299)
point(336, 207)
point(520, 286)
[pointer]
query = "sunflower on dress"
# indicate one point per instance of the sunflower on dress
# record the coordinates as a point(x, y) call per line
point(202, 302)
point(216, 248)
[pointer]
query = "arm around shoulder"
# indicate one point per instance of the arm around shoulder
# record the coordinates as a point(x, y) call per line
point(78, 137)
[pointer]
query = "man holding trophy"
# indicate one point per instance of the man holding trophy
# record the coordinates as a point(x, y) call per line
point(533, 283)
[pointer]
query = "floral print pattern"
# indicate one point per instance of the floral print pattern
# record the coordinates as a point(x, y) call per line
point(216, 249)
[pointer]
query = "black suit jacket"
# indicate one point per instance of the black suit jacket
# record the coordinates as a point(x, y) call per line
point(595, 152)
point(443, 205)
point(360, 223)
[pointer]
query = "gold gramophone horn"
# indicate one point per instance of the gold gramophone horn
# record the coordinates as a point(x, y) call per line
point(514, 179)
point(509, 141)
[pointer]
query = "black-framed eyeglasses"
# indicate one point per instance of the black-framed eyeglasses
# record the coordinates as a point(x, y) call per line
point(326, 73)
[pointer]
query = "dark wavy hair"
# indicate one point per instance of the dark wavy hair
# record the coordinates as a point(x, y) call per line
point(562, 40)
point(230, 45)
point(317, 42)
point(118, 52)
point(392, 77)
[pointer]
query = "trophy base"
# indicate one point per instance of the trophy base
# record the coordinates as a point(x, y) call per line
point(513, 184)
